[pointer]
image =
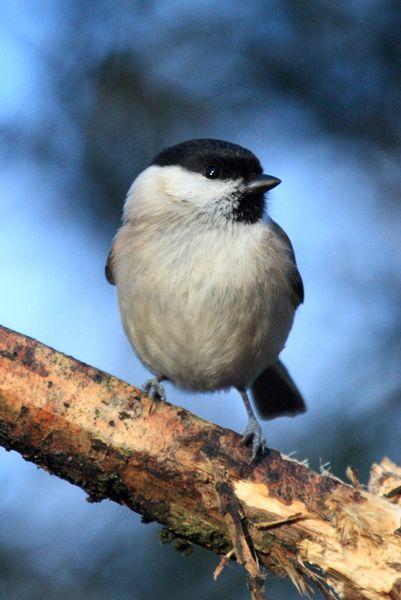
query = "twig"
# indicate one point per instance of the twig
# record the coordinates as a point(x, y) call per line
point(223, 562)
point(238, 529)
point(280, 522)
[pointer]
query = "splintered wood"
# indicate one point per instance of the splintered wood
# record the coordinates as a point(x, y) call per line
point(195, 478)
point(238, 530)
point(385, 481)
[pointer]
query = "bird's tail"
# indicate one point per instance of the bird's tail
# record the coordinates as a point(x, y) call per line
point(275, 394)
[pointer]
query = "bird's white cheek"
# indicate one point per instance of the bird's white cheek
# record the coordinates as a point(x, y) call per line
point(204, 193)
point(158, 190)
point(180, 184)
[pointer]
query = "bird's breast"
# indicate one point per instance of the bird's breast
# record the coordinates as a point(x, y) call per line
point(207, 310)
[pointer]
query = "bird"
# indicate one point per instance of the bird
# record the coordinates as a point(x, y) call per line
point(207, 283)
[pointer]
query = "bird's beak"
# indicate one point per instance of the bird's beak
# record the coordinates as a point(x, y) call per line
point(263, 183)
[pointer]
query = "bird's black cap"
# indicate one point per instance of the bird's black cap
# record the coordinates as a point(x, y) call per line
point(233, 160)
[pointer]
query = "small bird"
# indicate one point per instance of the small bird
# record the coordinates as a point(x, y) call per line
point(207, 283)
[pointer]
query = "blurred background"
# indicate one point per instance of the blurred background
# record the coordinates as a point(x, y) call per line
point(90, 91)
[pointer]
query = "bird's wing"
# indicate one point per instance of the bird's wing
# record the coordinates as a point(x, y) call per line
point(109, 268)
point(275, 394)
point(296, 279)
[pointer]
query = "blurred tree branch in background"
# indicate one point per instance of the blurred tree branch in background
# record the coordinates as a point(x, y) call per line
point(195, 478)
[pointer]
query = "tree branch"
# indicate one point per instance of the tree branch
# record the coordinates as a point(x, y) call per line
point(195, 478)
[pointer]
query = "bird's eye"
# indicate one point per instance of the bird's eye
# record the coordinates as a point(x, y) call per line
point(212, 172)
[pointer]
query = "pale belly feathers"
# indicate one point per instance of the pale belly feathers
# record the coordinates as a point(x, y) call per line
point(210, 315)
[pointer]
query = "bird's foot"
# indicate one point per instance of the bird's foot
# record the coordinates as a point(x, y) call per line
point(253, 434)
point(154, 389)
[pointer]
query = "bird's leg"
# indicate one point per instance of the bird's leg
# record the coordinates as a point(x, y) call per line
point(154, 389)
point(253, 433)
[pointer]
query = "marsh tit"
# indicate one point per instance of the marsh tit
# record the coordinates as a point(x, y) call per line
point(207, 283)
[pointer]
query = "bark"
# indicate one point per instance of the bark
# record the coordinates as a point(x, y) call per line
point(195, 478)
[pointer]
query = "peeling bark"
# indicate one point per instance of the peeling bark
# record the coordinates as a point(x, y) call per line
point(169, 465)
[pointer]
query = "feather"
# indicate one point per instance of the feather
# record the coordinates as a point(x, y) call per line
point(275, 394)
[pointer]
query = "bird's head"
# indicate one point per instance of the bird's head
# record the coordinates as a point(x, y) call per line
point(207, 179)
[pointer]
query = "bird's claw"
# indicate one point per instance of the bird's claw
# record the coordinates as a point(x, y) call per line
point(254, 434)
point(154, 389)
